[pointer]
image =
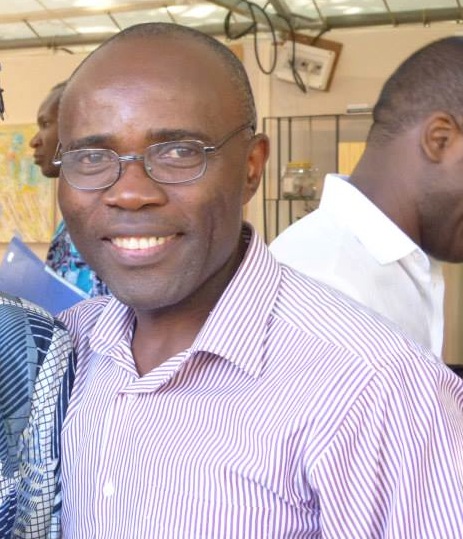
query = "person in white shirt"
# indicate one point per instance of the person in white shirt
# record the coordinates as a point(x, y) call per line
point(379, 236)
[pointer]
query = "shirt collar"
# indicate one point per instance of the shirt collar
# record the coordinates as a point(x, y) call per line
point(236, 327)
point(113, 328)
point(352, 209)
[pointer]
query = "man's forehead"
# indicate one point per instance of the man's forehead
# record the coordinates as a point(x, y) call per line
point(124, 75)
point(49, 105)
point(115, 81)
point(141, 56)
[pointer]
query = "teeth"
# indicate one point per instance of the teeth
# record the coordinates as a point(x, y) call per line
point(140, 243)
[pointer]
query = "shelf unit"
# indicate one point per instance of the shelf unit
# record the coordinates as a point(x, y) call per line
point(331, 142)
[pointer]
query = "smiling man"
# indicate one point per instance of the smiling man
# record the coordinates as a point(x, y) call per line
point(209, 399)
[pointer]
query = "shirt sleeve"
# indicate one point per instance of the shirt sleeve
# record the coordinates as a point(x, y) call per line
point(38, 360)
point(395, 466)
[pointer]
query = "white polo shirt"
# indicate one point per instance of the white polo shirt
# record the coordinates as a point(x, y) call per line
point(351, 245)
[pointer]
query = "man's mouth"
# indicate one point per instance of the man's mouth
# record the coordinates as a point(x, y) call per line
point(135, 243)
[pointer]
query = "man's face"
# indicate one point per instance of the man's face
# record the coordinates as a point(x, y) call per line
point(159, 245)
point(44, 142)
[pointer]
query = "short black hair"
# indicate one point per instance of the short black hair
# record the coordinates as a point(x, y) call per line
point(429, 80)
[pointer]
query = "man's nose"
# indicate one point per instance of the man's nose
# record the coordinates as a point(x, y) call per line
point(35, 141)
point(134, 188)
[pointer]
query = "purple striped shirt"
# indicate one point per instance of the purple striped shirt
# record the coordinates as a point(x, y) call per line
point(295, 414)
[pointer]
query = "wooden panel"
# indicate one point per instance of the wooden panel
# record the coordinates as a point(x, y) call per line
point(453, 309)
point(349, 154)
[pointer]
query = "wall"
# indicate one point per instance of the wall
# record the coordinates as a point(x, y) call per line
point(26, 78)
point(367, 58)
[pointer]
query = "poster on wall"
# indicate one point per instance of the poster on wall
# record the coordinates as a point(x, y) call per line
point(27, 199)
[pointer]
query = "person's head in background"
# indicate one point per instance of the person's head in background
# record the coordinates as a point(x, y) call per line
point(62, 256)
point(412, 167)
point(44, 142)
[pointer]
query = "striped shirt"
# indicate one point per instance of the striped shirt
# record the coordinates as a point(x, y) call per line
point(36, 369)
point(296, 413)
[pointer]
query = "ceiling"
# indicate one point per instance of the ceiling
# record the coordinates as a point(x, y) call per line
point(70, 23)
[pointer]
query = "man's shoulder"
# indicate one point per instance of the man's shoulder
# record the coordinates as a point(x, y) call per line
point(18, 311)
point(81, 318)
point(299, 229)
point(31, 335)
point(326, 314)
point(317, 230)
point(313, 245)
point(86, 309)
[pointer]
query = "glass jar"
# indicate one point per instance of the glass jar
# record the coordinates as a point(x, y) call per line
point(299, 181)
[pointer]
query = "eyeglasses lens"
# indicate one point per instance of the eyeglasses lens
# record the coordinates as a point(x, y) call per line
point(175, 162)
point(91, 169)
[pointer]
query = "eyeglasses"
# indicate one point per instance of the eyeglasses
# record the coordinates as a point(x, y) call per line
point(178, 161)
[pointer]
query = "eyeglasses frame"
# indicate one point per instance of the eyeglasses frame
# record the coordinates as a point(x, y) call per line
point(57, 159)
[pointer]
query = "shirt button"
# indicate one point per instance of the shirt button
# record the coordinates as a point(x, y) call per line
point(108, 489)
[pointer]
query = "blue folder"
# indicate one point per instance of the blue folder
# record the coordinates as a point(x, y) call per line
point(23, 274)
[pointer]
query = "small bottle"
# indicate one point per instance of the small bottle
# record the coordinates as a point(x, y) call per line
point(299, 181)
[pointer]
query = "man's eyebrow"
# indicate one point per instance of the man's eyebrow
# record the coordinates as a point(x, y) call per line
point(92, 141)
point(42, 117)
point(161, 135)
point(155, 135)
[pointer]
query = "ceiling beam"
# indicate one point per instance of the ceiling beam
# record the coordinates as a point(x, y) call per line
point(299, 23)
point(281, 7)
point(63, 42)
point(278, 23)
point(395, 18)
point(69, 13)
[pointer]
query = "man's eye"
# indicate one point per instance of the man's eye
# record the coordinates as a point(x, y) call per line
point(92, 158)
point(184, 151)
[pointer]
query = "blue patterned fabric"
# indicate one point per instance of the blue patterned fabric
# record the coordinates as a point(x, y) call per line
point(65, 259)
point(36, 376)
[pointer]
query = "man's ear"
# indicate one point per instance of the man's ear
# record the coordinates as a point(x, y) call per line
point(257, 157)
point(438, 133)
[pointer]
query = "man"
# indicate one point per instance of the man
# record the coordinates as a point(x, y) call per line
point(44, 142)
point(379, 236)
point(219, 394)
point(62, 255)
point(36, 373)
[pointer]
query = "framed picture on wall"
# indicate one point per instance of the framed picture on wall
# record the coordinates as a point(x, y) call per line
point(27, 199)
